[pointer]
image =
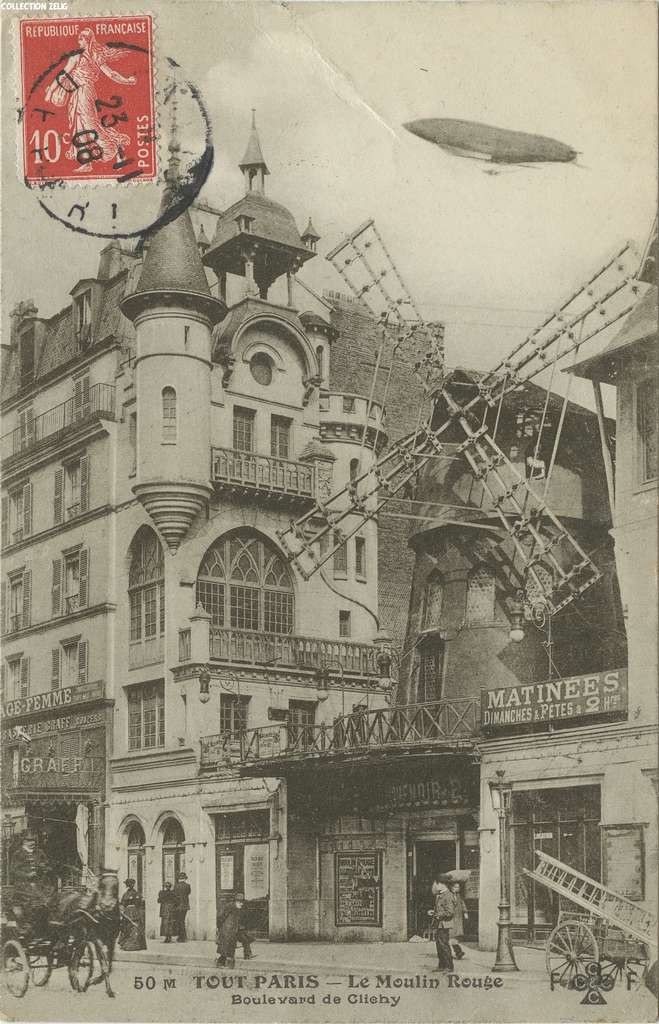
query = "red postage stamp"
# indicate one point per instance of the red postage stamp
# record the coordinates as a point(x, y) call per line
point(88, 100)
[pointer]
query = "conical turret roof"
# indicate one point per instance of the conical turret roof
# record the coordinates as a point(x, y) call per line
point(172, 260)
point(253, 154)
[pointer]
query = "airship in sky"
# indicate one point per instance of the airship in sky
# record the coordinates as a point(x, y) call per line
point(485, 142)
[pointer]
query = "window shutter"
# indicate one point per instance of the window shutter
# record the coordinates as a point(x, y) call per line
point(77, 399)
point(4, 606)
point(27, 510)
point(84, 483)
point(54, 676)
point(59, 496)
point(82, 663)
point(27, 597)
point(83, 573)
point(5, 521)
point(57, 587)
point(25, 677)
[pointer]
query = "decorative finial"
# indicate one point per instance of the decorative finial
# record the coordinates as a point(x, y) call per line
point(253, 117)
point(174, 146)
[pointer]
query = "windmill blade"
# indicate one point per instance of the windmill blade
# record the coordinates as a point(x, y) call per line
point(538, 539)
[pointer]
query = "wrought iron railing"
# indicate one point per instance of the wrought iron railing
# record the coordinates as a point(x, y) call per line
point(444, 721)
point(63, 417)
point(243, 646)
point(262, 472)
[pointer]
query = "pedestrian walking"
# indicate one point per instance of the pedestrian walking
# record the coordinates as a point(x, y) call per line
point(182, 893)
point(229, 925)
point(444, 908)
point(168, 907)
point(457, 925)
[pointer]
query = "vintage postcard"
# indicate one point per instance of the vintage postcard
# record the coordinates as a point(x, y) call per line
point(329, 511)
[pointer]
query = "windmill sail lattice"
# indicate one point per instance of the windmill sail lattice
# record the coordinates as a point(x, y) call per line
point(536, 537)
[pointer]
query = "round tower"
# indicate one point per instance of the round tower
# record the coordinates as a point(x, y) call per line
point(173, 312)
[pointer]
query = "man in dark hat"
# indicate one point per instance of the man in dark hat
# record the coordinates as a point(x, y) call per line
point(444, 909)
point(32, 883)
point(182, 892)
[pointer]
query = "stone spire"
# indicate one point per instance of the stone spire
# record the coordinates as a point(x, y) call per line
point(253, 164)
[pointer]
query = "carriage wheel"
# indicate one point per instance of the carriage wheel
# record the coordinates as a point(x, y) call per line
point(15, 967)
point(81, 965)
point(41, 967)
point(570, 948)
point(104, 965)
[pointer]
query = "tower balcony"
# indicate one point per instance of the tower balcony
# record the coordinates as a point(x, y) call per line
point(245, 647)
point(53, 425)
point(438, 726)
point(246, 474)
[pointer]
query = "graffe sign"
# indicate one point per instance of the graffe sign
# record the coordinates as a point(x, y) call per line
point(599, 693)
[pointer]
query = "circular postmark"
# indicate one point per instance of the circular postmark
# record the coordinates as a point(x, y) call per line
point(95, 138)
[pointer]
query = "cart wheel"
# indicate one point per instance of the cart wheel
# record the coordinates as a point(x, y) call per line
point(104, 967)
point(570, 948)
point(81, 965)
point(41, 967)
point(15, 967)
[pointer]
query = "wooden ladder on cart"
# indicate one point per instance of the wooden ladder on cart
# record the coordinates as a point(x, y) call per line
point(595, 898)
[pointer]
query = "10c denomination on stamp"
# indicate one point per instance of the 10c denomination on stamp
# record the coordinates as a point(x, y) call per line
point(88, 99)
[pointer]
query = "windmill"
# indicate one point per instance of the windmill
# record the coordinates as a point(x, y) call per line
point(541, 555)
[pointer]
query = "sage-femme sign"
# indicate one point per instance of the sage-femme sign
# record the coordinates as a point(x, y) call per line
point(598, 693)
point(51, 700)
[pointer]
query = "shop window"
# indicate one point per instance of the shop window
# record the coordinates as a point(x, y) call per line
point(301, 720)
point(344, 623)
point(433, 602)
point(168, 416)
point(280, 437)
point(233, 715)
point(646, 426)
point(360, 557)
point(260, 366)
point(480, 596)
point(340, 557)
point(243, 429)
point(146, 594)
point(173, 850)
point(244, 582)
point(136, 852)
point(146, 716)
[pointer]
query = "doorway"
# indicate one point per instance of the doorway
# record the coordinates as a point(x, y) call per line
point(430, 857)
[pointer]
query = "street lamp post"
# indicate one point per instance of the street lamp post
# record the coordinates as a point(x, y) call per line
point(500, 792)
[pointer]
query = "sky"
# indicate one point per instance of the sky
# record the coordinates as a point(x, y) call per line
point(332, 85)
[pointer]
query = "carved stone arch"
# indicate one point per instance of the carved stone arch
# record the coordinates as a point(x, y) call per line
point(283, 326)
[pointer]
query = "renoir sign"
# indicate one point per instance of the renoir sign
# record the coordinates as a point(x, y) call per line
point(598, 693)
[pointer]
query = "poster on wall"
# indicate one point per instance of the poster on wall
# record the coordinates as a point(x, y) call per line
point(256, 871)
point(226, 872)
point(358, 893)
point(168, 868)
point(623, 860)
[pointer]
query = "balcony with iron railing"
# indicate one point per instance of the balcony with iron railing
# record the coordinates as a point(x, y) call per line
point(273, 478)
point(245, 647)
point(444, 725)
point(53, 424)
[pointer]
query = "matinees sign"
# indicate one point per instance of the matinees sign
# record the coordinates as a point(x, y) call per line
point(599, 693)
point(88, 99)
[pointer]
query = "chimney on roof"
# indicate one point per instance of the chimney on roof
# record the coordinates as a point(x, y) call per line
point(110, 262)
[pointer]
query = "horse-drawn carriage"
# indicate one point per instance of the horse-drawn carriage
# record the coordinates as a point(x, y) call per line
point(606, 930)
point(76, 933)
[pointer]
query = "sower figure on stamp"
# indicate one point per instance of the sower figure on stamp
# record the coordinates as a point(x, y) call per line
point(444, 909)
point(168, 906)
point(182, 893)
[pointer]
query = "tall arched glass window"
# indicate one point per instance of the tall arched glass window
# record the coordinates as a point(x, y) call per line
point(146, 587)
point(433, 601)
point(136, 846)
point(244, 583)
point(173, 850)
point(480, 595)
point(168, 416)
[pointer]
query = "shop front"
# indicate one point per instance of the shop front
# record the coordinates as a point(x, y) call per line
point(365, 845)
point(54, 758)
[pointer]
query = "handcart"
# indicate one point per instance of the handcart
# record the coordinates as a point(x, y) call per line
point(609, 930)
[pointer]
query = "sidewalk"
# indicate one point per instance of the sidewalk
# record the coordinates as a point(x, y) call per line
point(342, 957)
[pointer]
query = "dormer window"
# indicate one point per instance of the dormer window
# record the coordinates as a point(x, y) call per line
point(244, 223)
point(83, 317)
point(26, 348)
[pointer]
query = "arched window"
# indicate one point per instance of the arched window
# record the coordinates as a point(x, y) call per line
point(173, 850)
point(168, 416)
point(243, 582)
point(136, 844)
point(433, 601)
point(320, 356)
point(480, 595)
point(354, 468)
point(146, 587)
